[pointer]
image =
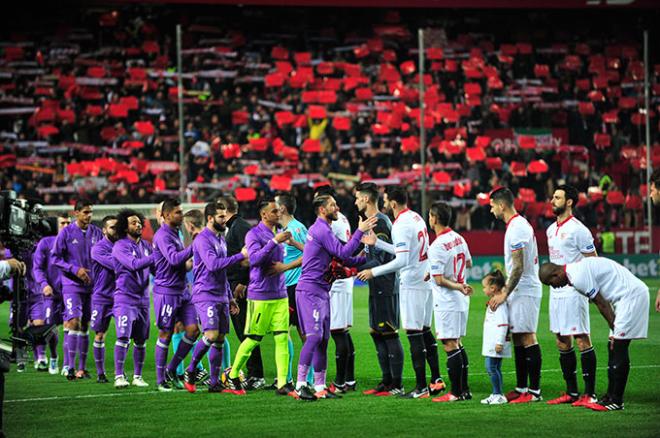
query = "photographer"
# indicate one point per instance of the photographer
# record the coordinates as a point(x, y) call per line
point(8, 268)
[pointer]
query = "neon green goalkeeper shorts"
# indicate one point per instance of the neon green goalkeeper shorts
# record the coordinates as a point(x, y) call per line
point(267, 316)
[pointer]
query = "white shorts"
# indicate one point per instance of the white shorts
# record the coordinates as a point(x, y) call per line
point(523, 313)
point(450, 325)
point(569, 315)
point(631, 316)
point(341, 310)
point(416, 308)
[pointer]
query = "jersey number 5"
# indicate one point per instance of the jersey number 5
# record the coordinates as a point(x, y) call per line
point(423, 237)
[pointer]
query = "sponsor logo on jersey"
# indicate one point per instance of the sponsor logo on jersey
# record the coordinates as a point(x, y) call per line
point(400, 244)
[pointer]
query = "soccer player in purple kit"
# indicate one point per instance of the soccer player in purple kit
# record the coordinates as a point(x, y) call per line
point(211, 295)
point(133, 260)
point(72, 255)
point(171, 300)
point(47, 280)
point(313, 290)
point(268, 303)
point(103, 268)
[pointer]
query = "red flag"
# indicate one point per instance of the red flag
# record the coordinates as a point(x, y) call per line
point(310, 145)
point(145, 128)
point(317, 112)
point(615, 197)
point(341, 123)
point(441, 177)
point(259, 144)
point(280, 182)
point(475, 154)
point(244, 194)
point(538, 166)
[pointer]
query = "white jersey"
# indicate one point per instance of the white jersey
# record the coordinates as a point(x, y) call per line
point(519, 236)
point(448, 257)
point(568, 241)
point(410, 240)
point(599, 275)
point(496, 326)
point(341, 228)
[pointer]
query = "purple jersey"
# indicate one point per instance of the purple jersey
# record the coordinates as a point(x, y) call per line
point(132, 266)
point(262, 253)
point(210, 264)
point(103, 269)
point(322, 245)
point(44, 271)
point(170, 261)
point(72, 251)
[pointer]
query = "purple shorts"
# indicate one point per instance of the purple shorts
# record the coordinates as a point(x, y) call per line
point(37, 311)
point(131, 322)
point(171, 309)
point(313, 314)
point(53, 308)
point(213, 316)
point(101, 314)
point(77, 305)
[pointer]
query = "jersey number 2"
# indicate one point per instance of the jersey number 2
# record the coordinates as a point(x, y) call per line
point(423, 237)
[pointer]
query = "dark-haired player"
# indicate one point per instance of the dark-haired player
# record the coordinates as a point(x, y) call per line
point(293, 250)
point(171, 300)
point(522, 294)
point(211, 295)
point(268, 303)
point(568, 242)
point(103, 268)
point(48, 281)
point(134, 261)
point(410, 248)
point(312, 293)
point(622, 299)
point(383, 298)
point(72, 255)
point(449, 257)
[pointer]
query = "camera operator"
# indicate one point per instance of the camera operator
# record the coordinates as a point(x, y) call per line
point(8, 268)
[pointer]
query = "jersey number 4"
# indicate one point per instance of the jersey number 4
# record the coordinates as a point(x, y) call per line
point(423, 236)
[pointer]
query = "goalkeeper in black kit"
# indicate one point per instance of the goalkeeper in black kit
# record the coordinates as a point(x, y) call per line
point(383, 299)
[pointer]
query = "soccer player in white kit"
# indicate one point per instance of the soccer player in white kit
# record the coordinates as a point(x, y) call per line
point(450, 258)
point(522, 294)
point(569, 241)
point(341, 317)
point(622, 299)
point(410, 245)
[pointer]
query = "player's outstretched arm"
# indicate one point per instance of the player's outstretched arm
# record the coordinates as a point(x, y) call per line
point(385, 246)
point(657, 302)
point(167, 247)
point(124, 255)
point(103, 256)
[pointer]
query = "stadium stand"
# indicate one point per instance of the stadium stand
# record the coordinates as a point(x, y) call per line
point(88, 105)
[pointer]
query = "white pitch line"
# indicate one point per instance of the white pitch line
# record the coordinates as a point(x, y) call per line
point(127, 393)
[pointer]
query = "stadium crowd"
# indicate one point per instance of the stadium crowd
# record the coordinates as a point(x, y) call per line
point(89, 104)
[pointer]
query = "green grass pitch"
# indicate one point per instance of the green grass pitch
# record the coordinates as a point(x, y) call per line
point(41, 405)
